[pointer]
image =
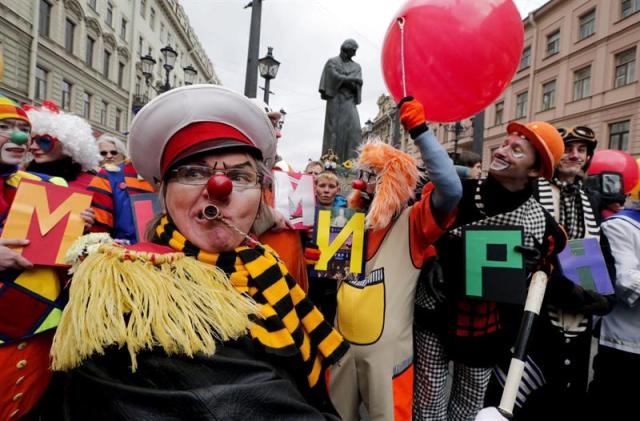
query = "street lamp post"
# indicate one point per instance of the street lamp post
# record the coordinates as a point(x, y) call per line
point(368, 128)
point(169, 55)
point(148, 63)
point(478, 132)
point(251, 78)
point(190, 74)
point(268, 67)
point(457, 130)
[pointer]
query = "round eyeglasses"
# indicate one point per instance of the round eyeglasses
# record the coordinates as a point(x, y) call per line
point(241, 178)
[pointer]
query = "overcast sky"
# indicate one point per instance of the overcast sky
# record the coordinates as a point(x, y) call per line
point(303, 34)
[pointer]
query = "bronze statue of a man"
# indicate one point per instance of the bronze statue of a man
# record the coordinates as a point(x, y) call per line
point(341, 87)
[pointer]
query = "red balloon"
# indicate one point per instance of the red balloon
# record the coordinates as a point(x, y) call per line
point(459, 55)
point(219, 187)
point(611, 160)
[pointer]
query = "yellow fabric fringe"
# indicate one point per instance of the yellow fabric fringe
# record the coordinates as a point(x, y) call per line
point(143, 300)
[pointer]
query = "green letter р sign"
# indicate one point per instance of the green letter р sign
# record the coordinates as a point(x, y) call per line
point(494, 270)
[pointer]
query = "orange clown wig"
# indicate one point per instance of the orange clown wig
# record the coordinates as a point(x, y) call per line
point(396, 179)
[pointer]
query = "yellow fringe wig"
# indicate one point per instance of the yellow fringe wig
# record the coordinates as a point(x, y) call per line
point(143, 300)
point(397, 177)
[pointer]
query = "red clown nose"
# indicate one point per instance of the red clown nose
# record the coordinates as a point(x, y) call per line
point(359, 184)
point(219, 187)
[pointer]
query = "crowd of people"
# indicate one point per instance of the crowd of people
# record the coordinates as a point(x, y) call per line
point(216, 314)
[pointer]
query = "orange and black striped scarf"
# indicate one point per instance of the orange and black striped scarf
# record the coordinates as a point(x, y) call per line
point(291, 326)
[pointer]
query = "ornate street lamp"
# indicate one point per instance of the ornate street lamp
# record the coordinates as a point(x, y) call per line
point(148, 64)
point(190, 74)
point(457, 129)
point(170, 56)
point(268, 67)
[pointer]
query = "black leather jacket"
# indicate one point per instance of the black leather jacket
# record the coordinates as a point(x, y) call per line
point(237, 383)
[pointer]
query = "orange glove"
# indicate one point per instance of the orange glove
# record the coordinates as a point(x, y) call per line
point(411, 113)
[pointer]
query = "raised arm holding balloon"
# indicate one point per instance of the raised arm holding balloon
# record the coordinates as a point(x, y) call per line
point(376, 315)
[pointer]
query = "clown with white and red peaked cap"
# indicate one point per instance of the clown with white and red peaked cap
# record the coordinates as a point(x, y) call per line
point(203, 307)
point(62, 145)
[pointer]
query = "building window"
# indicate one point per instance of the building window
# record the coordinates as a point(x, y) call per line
point(499, 113)
point(619, 135)
point(629, 7)
point(120, 74)
point(582, 83)
point(106, 63)
point(123, 29)
point(103, 113)
point(66, 95)
point(109, 16)
point(88, 57)
point(69, 34)
point(93, 4)
point(41, 82)
point(625, 68)
point(152, 18)
point(521, 104)
point(118, 119)
point(45, 18)
point(525, 60)
point(138, 85)
point(143, 8)
point(140, 45)
point(161, 32)
point(553, 43)
point(548, 95)
point(86, 105)
point(587, 24)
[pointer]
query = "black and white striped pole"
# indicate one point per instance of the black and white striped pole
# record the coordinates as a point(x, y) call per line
point(532, 306)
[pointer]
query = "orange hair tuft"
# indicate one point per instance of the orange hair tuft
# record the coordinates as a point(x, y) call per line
point(397, 177)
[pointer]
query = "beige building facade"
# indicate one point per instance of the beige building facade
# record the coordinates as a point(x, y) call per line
point(85, 54)
point(386, 127)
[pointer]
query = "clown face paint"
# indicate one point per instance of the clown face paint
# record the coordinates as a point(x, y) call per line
point(45, 148)
point(573, 160)
point(14, 135)
point(370, 179)
point(514, 159)
point(186, 203)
